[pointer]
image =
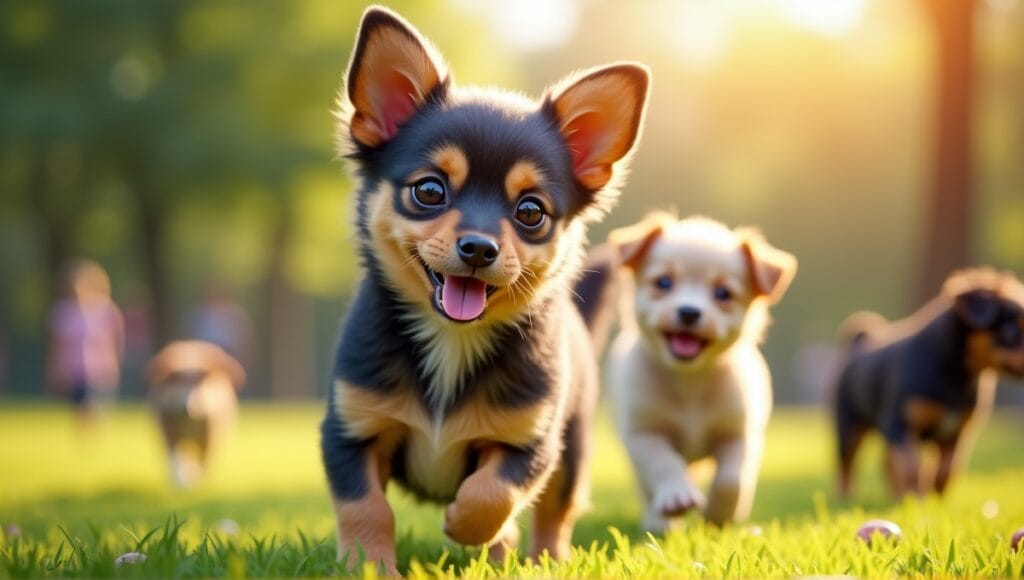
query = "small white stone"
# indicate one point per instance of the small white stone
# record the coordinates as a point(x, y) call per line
point(228, 526)
point(12, 531)
point(129, 558)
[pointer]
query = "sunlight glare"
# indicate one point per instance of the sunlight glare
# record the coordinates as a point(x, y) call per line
point(827, 17)
point(528, 24)
point(1004, 6)
point(698, 31)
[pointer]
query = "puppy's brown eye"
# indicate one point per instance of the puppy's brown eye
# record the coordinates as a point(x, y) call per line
point(428, 192)
point(530, 213)
point(663, 283)
point(722, 294)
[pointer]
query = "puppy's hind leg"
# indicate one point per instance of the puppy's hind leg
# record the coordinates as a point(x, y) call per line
point(903, 466)
point(738, 463)
point(850, 435)
point(566, 495)
point(508, 540)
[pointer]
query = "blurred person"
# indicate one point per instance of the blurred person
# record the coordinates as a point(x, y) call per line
point(86, 341)
point(220, 320)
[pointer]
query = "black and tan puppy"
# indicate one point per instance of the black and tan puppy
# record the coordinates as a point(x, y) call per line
point(192, 385)
point(463, 370)
point(929, 378)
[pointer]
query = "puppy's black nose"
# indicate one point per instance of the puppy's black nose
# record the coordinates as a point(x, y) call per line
point(477, 251)
point(688, 315)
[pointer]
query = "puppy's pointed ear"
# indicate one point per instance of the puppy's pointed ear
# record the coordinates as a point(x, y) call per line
point(771, 269)
point(977, 308)
point(392, 72)
point(600, 113)
point(631, 243)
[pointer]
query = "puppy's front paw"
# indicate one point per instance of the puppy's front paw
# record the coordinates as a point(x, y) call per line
point(677, 498)
point(478, 514)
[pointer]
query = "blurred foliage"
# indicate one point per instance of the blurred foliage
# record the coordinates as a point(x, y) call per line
point(188, 142)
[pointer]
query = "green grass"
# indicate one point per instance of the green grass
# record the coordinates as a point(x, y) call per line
point(82, 501)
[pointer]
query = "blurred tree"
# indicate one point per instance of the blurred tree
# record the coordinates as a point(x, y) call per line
point(170, 99)
point(180, 104)
point(950, 204)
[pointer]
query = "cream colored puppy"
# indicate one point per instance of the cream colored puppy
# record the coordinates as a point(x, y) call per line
point(687, 378)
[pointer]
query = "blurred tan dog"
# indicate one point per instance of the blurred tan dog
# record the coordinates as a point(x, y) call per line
point(687, 378)
point(192, 385)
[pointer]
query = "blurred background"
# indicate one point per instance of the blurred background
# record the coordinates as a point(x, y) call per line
point(187, 147)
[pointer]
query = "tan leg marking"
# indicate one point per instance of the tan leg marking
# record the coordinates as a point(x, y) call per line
point(483, 504)
point(554, 518)
point(904, 469)
point(508, 540)
point(368, 523)
point(922, 414)
point(846, 461)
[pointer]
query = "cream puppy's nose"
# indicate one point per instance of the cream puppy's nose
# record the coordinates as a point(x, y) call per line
point(688, 315)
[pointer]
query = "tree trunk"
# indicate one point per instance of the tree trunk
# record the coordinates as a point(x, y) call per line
point(154, 265)
point(949, 205)
point(54, 230)
point(292, 355)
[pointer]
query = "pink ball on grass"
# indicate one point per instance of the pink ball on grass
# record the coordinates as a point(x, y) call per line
point(883, 529)
point(1017, 541)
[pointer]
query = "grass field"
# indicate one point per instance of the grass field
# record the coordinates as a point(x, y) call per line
point(81, 502)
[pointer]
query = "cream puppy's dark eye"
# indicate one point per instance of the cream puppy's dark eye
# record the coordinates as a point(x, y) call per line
point(1010, 334)
point(722, 294)
point(429, 192)
point(663, 283)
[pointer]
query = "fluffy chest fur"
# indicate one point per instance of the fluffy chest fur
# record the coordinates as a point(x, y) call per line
point(694, 410)
point(449, 355)
point(434, 451)
point(434, 396)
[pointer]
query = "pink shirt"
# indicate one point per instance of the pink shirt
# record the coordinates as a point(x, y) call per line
point(88, 339)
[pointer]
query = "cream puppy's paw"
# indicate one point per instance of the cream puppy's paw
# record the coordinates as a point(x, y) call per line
point(669, 500)
point(676, 498)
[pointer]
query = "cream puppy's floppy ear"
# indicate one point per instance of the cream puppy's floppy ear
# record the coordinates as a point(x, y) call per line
point(392, 72)
point(631, 243)
point(771, 269)
point(600, 113)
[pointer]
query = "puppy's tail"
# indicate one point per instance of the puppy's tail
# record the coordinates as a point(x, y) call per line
point(597, 294)
point(856, 330)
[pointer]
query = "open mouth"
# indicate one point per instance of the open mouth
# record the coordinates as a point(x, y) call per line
point(685, 346)
point(459, 298)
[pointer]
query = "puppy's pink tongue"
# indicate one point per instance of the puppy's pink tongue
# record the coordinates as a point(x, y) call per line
point(463, 298)
point(685, 345)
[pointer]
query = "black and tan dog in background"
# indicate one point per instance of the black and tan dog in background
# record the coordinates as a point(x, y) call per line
point(929, 378)
point(192, 386)
point(463, 370)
